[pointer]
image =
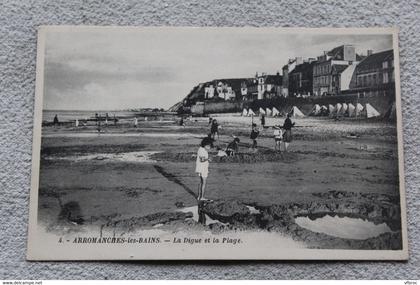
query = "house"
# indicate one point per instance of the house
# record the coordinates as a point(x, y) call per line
point(328, 69)
point(269, 86)
point(287, 69)
point(301, 78)
point(374, 75)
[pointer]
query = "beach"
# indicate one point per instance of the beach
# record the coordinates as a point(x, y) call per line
point(124, 173)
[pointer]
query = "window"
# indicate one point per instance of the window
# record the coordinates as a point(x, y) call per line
point(385, 77)
point(392, 76)
point(385, 64)
point(374, 82)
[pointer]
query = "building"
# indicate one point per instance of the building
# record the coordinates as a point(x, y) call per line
point(374, 75)
point(301, 78)
point(329, 69)
point(287, 69)
point(269, 86)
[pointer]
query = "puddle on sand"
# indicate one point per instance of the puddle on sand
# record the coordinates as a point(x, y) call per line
point(253, 210)
point(135, 156)
point(95, 134)
point(350, 228)
point(195, 217)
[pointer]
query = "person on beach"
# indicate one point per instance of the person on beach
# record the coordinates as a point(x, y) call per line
point(233, 147)
point(214, 129)
point(278, 137)
point(254, 135)
point(55, 120)
point(287, 136)
point(181, 122)
point(263, 120)
point(136, 122)
point(115, 120)
point(210, 120)
point(202, 166)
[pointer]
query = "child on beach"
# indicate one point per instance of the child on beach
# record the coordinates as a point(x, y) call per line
point(254, 135)
point(214, 129)
point(287, 137)
point(202, 166)
point(278, 136)
point(233, 147)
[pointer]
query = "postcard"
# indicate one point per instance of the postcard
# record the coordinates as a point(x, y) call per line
point(182, 143)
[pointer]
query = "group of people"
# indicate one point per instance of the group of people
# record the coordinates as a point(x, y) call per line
point(282, 136)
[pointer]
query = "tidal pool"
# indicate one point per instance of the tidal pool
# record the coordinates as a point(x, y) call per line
point(345, 227)
point(135, 156)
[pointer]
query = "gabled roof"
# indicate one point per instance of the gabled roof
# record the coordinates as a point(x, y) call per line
point(339, 68)
point(376, 59)
point(274, 79)
point(303, 67)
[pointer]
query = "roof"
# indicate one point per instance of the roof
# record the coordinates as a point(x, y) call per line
point(274, 79)
point(337, 52)
point(339, 68)
point(306, 66)
point(376, 59)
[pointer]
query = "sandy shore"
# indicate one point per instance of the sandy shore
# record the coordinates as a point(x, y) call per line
point(355, 157)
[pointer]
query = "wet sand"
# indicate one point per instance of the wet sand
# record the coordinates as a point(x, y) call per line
point(325, 155)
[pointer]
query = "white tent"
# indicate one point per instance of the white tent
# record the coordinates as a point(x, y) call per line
point(391, 113)
point(316, 110)
point(370, 112)
point(338, 107)
point(77, 123)
point(324, 110)
point(268, 111)
point(331, 108)
point(351, 110)
point(295, 112)
point(250, 112)
point(344, 108)
point(358, 110)
point(244, 113)
point(275, 112)
point(262, 112)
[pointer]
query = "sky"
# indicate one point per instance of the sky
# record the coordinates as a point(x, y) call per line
point(115, 69)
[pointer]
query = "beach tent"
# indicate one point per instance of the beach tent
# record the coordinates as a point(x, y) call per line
point(250, 112)
point(268, 111)
point(358, 110)
point(262, 112)
point(344, 108)
point(331, 109)
point(316, 110)
point(295, 112)
point(244, 113)
point(338, 107)
point(324, 110)
point(350, 110)
point(370, 112)
point(275, 112)
point(391, 114)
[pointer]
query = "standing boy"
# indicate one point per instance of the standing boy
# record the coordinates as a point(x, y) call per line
point(278, 135)
point(254, 135)
point(202, 166)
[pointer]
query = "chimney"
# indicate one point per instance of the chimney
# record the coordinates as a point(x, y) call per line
point(299, 60)
point(369, 52)
point(278, 73)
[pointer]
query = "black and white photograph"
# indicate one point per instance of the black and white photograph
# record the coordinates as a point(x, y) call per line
point(160, 143)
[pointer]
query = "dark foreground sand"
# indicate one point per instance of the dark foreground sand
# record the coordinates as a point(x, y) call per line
point(325, 157)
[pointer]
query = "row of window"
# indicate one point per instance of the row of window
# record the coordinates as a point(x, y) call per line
point(322, 80)
point(322, 69)
point(374, 79)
